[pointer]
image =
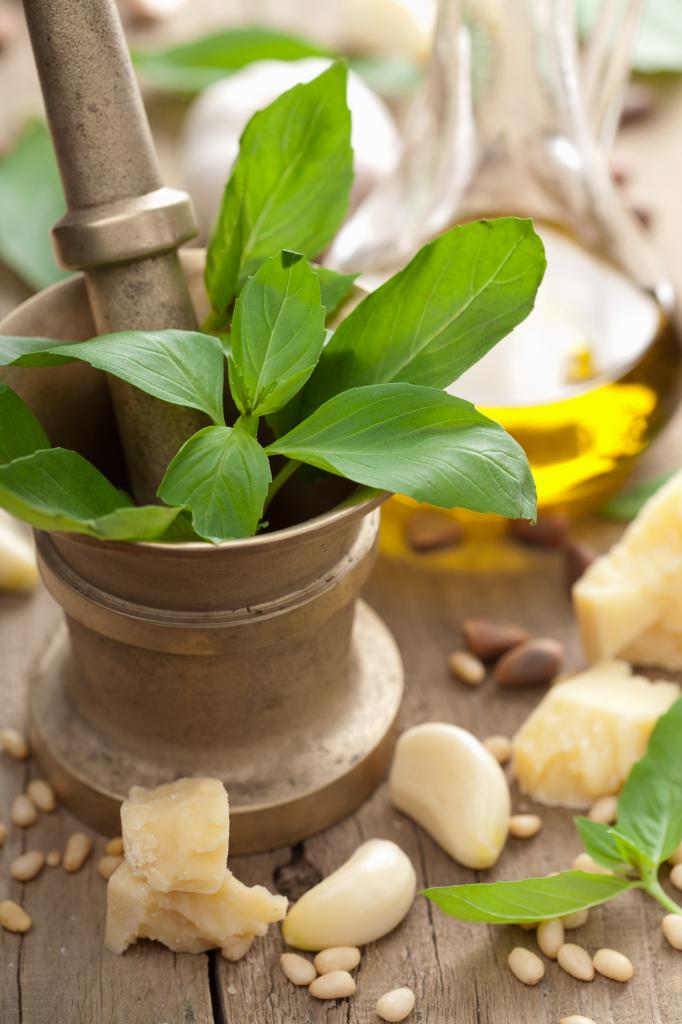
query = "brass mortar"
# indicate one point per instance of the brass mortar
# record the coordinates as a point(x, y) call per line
point(252, 661)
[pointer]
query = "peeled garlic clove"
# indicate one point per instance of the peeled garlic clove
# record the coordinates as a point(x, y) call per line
point(452, 786)
point(365, 898)
point(18, 569)
point(402, 27)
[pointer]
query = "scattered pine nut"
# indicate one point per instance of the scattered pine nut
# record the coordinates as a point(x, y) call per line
point(54, 858)
point(42, 795)
point(576, 920)
point(337, 958)
point(500, 747)
point(576, 1018)
point(238, 949)
point(576, 961)
point(3, 833)
point(613, 965)
point(532, 663)
point(524, 826)
point(395, 1005)
point(77, 850)
point(107, 864)
point(550, 531)
point(14, 918)
point(27, 866)
point(676, 856)
point(550, 936)
point(14, 744)
point(604, 810)
point(297, 969)
point(467, 667)
point(583, 862)
point(489, 640)
point(430, 530)
point(114, 847)
point(672, 929)
point(335, 985)
point(526, 966)
point(23, 812)
point(676, 876)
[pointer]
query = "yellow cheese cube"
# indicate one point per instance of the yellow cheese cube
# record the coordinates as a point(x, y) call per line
point(176, 836)
point(187, 922)
point(629, 601)
point(583, 738)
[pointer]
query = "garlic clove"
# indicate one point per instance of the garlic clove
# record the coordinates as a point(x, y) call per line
point(452, 786)
point(402, 27)
point(365, 898)
point(18, 569)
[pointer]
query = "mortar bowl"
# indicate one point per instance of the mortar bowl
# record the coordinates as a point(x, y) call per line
point(252, 661)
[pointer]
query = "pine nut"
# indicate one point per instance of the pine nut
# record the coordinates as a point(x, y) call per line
point(676, 876)
point(54, 858)
point(335, 985)
point(676, 856)
point(467, 667)
point(77, 850)
point(576, 920)
point(576, 1018)
point(27, 866)
point(297, 969)
point(13, 918)
point(489, 640)
point(396, 1005)
point(613, 965)
point(583, 862)
point(14, 744)
point(524, 826)
point(237, 949)
point(3, 833)
point(550, 936)
point(532, 663)
point(114, 847)
point(42, 795)
point(430, 530)
point(576, 961)
point(107, 864)
point(604, 810)
point(23, 813)
point(526, 966)
point(672, 929)
point(338, 958)
point(500, 747)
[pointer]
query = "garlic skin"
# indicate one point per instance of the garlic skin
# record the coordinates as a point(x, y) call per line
point(216, 119)
point(18, 568)
point(452, 786)
point(367, 897)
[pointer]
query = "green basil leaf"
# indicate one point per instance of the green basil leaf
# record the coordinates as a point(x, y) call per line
point(289, 186)
point(417, 441)
point(601, 845)
point(18, 351)
point(222, 476)
point(20, 432)
point(190, 67)
point(31, 201)
point(626, 505)
point(56, 489)
point(631, 853)
point(429, 323)
point(650, 804)
point(181, 367)
point(334, 288)
point(534, 899)
point(277, 334)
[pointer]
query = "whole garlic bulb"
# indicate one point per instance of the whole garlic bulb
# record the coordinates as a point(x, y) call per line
point(216, 119)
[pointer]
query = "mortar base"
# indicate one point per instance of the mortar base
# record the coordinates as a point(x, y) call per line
point(91, 775)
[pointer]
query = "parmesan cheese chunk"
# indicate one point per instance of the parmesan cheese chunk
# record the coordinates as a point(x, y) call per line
point(187, 922)
point(175, 837)
point(629, 601)
point(583, 738)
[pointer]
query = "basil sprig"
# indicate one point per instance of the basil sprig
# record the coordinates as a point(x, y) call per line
point(648, 829)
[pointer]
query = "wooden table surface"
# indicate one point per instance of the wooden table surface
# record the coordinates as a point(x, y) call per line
point(59, 972)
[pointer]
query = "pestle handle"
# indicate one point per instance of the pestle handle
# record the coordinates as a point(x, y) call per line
point(122, 228)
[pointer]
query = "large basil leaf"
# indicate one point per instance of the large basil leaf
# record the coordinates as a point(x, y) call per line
point(289, 187)
point(222, 476)
point(31, 202)
point(429, 323)
point(600, 844)
point(277, 334)
point(56, 489)
point(530, 900)
point(417, 441)
point(334, 288)
point(20, 432)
